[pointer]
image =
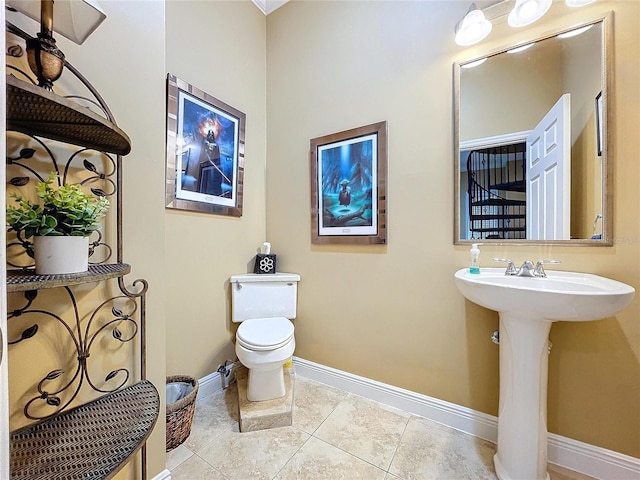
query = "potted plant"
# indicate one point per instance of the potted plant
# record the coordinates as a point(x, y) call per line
point(60, 223)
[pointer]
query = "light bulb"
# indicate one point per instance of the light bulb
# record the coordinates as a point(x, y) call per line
point(472, 28)
point(527, 11)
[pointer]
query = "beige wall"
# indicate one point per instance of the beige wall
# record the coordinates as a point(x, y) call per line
point(125, 61)
point(227, 61)
point(130, 76)
point(393, 313)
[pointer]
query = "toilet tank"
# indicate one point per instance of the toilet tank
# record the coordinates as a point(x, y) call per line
point(263, 295)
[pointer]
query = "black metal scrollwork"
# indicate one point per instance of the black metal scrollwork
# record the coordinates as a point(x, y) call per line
point(121, 326)
point(114, 322)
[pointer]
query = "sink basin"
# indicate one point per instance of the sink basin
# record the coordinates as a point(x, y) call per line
point(567, 296)
point(527, 306)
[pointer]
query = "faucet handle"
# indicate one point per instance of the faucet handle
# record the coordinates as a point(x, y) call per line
point(511, 268)
point(539, 270)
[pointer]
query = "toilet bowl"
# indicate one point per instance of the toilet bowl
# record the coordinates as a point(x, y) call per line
point(263, 304)
point(263, 345)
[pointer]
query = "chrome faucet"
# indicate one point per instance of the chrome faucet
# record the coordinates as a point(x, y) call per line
point(527, 269)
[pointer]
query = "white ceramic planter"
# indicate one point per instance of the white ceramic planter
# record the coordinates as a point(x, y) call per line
point(60, 254)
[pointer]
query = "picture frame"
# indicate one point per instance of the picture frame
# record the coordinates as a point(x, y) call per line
point(348, 186)
point(205, 151)
point(599, 124)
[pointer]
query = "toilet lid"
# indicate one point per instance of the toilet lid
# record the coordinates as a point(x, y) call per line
point(265, 333)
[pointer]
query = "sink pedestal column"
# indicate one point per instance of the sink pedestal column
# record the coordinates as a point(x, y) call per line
point(522, 415)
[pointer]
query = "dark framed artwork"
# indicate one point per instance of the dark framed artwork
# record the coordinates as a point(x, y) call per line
point(348, 186)
point(599, 124)
point(205, 151)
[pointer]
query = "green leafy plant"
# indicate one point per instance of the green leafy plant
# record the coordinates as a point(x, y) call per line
point(62, 211)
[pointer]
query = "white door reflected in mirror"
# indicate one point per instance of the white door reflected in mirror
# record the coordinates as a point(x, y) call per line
point(548, 175)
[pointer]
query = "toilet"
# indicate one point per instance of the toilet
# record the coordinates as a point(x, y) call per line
point(264, 305)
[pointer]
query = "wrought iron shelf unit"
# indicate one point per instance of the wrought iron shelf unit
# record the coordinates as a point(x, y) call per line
point(34, 111)
point(73, 438)
point(25, 280)
point(75, 444)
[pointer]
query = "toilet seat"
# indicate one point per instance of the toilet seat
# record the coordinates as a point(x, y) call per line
point(261, 334)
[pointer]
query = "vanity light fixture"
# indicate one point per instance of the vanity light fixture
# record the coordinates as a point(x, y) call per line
point(473, 28)
point(527, 11)
point(578, 3)
point(574, 33)
point(476, 24)
point(521, 48)
point(74, 19)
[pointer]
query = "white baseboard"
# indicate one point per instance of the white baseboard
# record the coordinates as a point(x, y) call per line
point(591, 460)
point(461, 418)
point(163, 475)
point(212, 383)
point(581, 457)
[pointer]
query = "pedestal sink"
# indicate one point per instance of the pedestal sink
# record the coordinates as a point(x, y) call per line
point(527, 306)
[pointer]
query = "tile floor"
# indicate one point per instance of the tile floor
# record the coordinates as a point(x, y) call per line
point(335, 435)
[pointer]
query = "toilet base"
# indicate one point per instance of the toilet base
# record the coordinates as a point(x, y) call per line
point(266, 380)
point(265, 384)
point(274, 413)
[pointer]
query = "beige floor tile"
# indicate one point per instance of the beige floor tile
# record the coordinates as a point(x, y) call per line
point(318, 460)
point(356, 426)
point(196, 468)
point(430, 451)
point(364, 428)
point(253, 455)
point(314, 402)
point(177, 456)
point(215, 414)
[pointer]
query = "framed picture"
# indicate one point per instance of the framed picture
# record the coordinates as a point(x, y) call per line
point(348, 186)
point(205, 151)
point(599, 129)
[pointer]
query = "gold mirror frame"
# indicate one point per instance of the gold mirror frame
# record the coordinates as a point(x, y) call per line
point(607, 147)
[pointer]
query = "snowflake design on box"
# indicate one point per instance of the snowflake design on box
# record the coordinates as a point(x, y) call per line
point(266, 264)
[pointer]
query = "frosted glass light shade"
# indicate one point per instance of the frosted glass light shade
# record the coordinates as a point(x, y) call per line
point(527, 11)
point(473, 28)
point(73, 19)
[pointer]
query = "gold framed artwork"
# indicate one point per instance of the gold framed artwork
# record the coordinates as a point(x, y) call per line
point(348, 186)
point(205, 151)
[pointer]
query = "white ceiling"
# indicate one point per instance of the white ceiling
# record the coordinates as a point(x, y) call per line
point(268, 6)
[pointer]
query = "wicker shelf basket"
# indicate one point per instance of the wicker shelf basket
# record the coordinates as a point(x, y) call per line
point(89, 442)
point(180, 413)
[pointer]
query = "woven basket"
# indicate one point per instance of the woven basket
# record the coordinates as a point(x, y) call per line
point(180, 413)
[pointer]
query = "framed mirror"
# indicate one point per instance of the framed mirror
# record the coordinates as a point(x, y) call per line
point(531, 141)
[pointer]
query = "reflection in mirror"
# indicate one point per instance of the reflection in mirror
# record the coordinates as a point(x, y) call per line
point(531, 150)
